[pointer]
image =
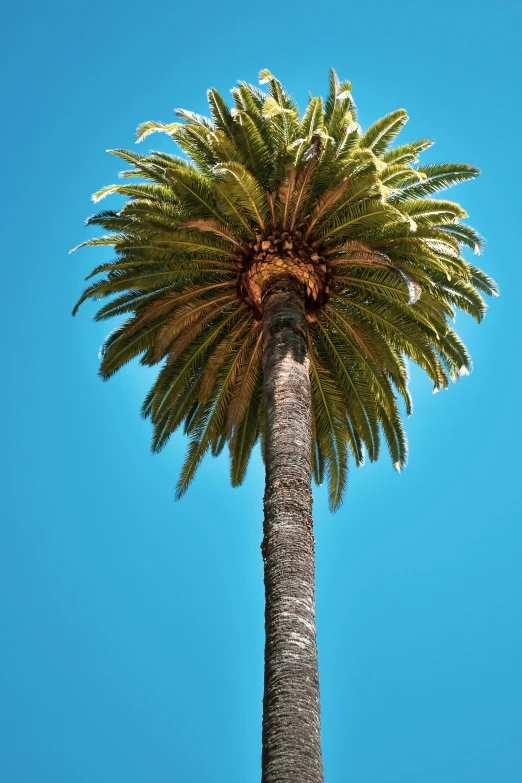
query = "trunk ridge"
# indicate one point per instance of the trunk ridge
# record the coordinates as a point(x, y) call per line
point(291, 708)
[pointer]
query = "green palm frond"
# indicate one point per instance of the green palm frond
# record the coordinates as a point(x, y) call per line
point(380, 135)
point(437, 177)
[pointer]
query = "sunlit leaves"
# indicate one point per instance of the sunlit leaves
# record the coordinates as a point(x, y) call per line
point(392, 250)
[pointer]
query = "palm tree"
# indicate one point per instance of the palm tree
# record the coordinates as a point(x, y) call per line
point(282, 273)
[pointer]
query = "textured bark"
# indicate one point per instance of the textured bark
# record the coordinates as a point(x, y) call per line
point(291, 719)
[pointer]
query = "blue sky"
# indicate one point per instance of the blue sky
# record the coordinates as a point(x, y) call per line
point(132, 627)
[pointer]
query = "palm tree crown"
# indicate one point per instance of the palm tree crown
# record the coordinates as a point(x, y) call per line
point(266, 192)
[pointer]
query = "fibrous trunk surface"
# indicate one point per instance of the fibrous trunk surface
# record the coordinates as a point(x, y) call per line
point(291, 716)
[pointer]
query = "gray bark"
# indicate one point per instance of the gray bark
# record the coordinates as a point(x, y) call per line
point(291, 717)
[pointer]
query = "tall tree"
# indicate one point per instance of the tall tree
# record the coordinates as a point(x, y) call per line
point(283, 272)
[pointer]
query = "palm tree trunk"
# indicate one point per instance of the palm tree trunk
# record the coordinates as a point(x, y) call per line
point(291, 719)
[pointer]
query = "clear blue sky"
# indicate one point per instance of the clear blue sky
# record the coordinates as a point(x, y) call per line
point(132, 627)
